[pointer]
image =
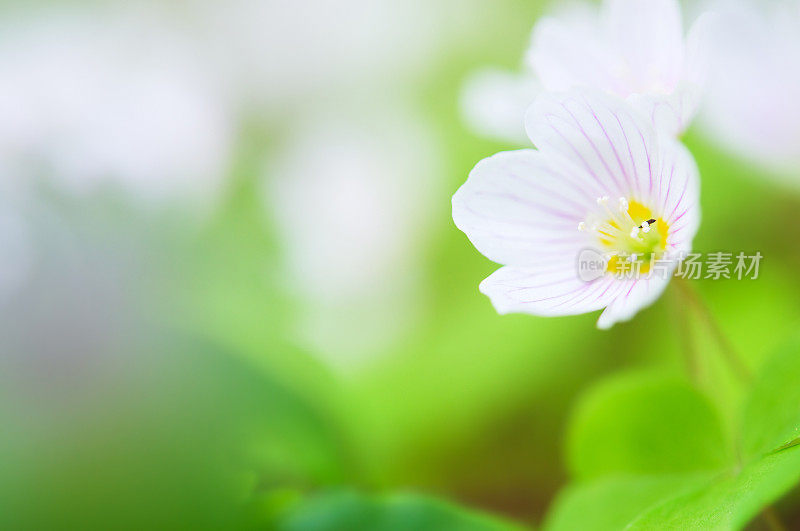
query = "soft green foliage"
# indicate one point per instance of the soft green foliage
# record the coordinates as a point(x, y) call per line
point(645, 424)
point(614, 502)
point(173, 443)
point(730, 500)
point(398, 512)
point(632, 436)
point(772, 413)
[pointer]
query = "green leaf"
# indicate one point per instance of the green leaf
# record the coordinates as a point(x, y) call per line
point(732, 500)
point(398, 512)
point(645, 424)
point(609, 438)
point(771, 416)
point(691, 501)
point(613, 503)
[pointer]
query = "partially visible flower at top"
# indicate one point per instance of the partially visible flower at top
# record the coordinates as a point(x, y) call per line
point(753, 103)
point(634, 49)
point(603, 179)
point(108, 98)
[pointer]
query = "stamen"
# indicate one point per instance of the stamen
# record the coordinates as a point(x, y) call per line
point(646, 225)
point(603, 202)
point(609, 227)
point(628, 216)
point(621, 234)
point(582, 226)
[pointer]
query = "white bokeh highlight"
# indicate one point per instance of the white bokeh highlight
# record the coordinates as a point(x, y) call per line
point(109, 98)
point(353, 201)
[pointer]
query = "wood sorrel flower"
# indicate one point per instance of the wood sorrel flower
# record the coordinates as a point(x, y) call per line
point(602, 179)
point(634, 49)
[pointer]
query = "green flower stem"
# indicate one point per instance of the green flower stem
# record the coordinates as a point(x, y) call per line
point(689, 294)
point(686, 336)
point(727, 349)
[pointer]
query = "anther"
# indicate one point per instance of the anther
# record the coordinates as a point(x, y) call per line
point(582, 226)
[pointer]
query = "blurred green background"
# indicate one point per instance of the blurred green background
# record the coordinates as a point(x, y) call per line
point(166, 370)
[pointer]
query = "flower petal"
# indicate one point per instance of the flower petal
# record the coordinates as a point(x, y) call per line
point(493, 104)
point(601, 134)
point(678, 195)
point(518, 208)
point(670, 114)
point(698, 48)
point(673, 113)
point(752, 109)
point(568, 53)
point(648, 35)
point(549, 291)
point(634, 295)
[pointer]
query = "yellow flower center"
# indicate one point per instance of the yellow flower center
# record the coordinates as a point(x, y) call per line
point(633, 237)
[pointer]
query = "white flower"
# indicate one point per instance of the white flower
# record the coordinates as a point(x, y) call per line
point(101, 98)
point(753, 103)
point(600, 176)
point(634, 49)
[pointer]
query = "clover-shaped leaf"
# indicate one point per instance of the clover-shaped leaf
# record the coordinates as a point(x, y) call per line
point(628, 477)
point(645, 424)
point(771, 417)
point(614, 502)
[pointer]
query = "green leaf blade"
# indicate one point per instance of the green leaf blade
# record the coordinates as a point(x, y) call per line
point(645, 424)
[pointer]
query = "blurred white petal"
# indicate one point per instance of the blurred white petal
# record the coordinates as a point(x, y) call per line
point(633, 49)
point(752, 106)
point(647, 37)
point(563, 55)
